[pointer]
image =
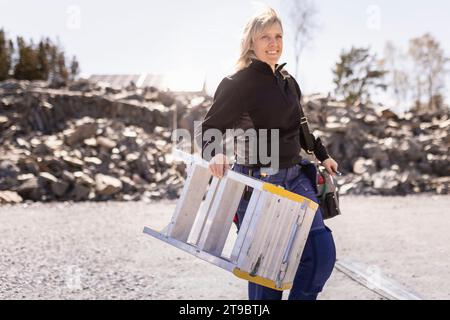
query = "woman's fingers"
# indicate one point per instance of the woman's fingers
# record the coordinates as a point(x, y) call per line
point(331, 166)
point(219, 165)
point(334, 166)
point(330, 170)
point(217, 170)
point(214, 169)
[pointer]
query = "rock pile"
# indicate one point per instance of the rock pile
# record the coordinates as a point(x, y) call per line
point(90, 160)
point(381, 152)
point(88, 142)
point(86, 145)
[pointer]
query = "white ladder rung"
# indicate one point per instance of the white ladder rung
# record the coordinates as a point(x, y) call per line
point(245, 224)
point(189, 203)
point(202, 216)
point(221, 215)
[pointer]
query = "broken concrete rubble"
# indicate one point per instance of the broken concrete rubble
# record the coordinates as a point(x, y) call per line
point(90, 143)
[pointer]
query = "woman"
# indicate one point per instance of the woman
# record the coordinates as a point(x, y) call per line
point(258, 96)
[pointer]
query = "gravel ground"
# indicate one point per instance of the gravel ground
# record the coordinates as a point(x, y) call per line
point(98, 251)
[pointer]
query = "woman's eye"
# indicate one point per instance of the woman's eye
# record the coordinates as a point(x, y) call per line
point(279, 37)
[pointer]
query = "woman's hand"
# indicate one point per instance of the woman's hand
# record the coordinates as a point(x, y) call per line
point(219, 165)
point(330, 165)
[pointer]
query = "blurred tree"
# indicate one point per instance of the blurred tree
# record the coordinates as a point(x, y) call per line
point(438, 100)
point(26, 67)
point(52, 55)
point(357, 75)
point(398, 81)
point(63, 73)
point(58, 73)
point(12, 52)
point(14, 57)
point(429, 70)
point(5, 56)
point(46, 61)
point(43, 63)
point(302, 19)
point(74, 68)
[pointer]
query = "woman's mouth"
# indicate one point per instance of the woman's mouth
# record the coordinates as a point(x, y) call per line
point(272, 52)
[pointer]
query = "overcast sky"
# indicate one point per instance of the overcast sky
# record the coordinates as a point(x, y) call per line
point(190, 39)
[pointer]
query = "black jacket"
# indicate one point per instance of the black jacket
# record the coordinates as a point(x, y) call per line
point(256, 97)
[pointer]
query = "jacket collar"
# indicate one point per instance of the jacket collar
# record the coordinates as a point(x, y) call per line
point(264, 67)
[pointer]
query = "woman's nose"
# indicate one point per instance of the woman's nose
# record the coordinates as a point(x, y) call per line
point(272, 41)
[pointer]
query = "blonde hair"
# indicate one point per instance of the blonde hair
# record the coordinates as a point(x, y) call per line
point(255, 26)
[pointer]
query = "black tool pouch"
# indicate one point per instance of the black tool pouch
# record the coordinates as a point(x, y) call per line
point(328, 196)
point(329, 205)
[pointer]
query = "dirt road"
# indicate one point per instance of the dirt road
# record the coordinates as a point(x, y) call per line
point(98, 251)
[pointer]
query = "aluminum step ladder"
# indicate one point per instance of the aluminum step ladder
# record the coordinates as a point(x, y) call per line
point(271, 238)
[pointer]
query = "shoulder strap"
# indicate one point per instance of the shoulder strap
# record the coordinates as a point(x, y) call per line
point(303, 120)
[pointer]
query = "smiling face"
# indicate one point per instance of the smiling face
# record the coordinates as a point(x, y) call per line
point(268, 45)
